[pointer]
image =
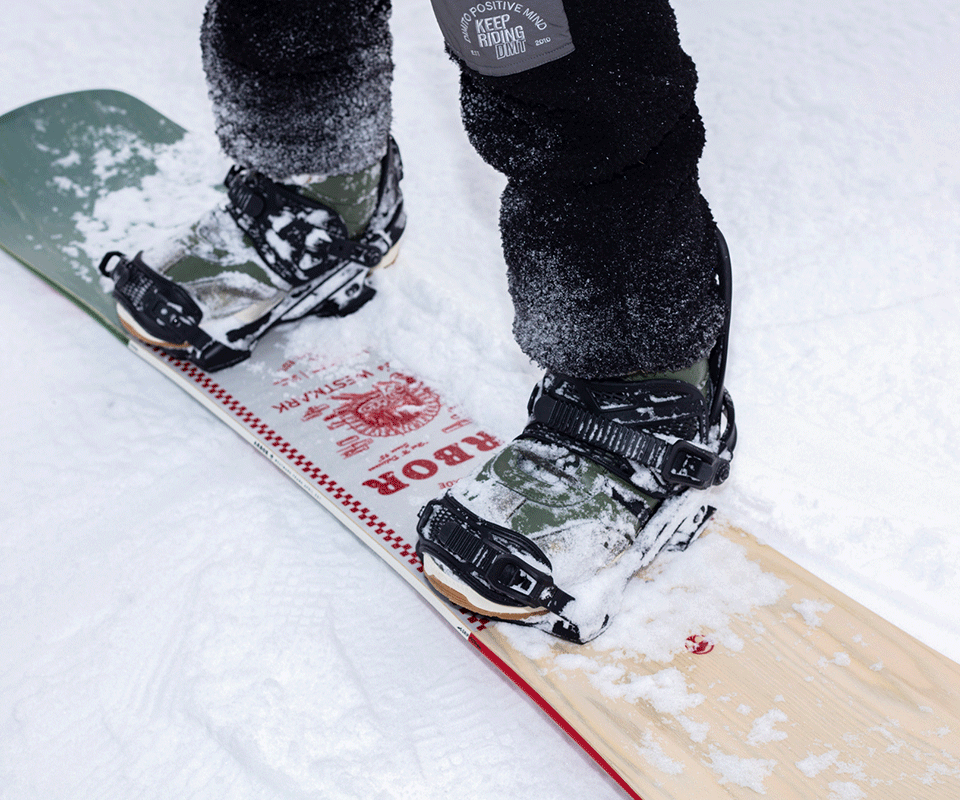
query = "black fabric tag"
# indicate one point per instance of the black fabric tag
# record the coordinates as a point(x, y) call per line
point(499, 37)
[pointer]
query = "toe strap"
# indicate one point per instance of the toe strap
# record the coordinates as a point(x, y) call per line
point(165, 311)
point(497, 562)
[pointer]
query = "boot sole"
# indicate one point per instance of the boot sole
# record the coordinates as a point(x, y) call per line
point(462, 595)
point(389, 258)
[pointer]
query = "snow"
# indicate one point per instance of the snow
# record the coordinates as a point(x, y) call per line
point(699, 590)
point(763, 727)
point(180, 620)
point(746, 772)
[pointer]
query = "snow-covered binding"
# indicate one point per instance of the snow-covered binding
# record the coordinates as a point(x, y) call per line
point(299, 261)
point(606, 475)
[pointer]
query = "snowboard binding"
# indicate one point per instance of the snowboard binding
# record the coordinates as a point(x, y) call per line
point(606, 475)
point(300, 261)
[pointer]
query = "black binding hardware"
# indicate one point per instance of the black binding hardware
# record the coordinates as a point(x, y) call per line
point(489, 556)
point(257, 203)
point(680, 463)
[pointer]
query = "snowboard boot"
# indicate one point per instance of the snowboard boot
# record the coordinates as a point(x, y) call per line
point(606, 475)
point(272, 252)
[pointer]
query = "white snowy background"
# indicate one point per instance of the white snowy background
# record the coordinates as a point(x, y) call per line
point(177, 619)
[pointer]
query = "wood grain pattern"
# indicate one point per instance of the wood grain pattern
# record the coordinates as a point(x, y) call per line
point(823, 700)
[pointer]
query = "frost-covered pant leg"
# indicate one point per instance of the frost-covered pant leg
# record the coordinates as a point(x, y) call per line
point(300, 86)
point(610, 247)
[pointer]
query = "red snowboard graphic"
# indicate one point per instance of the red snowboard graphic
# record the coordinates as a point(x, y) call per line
point(393, 407)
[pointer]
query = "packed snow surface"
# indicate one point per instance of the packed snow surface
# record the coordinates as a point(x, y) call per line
point(179, 620)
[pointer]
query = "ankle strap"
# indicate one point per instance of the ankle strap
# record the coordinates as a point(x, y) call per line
point(679, 463)
point(258, 204)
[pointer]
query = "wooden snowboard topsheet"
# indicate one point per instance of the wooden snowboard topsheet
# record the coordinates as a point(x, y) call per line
point(820, 698)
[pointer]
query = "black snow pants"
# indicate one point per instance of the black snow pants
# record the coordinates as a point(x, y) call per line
point(611, 249)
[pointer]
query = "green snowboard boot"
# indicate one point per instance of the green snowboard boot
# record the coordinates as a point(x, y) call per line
point(606, 475)
point(272, 253)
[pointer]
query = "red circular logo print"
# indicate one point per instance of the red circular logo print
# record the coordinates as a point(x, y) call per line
point(698, 645)
point(393, 407)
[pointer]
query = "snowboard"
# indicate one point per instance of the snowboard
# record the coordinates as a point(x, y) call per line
point(730, 672)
